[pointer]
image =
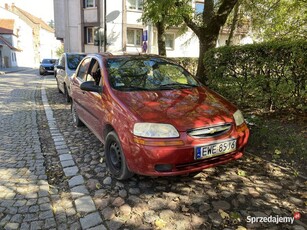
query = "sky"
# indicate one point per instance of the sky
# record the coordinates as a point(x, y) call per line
point(40, 8)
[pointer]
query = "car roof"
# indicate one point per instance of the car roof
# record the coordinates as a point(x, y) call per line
point(108, 55)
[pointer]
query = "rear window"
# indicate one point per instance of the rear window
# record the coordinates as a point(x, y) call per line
point(73, 60)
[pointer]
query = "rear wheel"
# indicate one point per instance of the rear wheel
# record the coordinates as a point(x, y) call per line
point(115, 157)
point(75, 116)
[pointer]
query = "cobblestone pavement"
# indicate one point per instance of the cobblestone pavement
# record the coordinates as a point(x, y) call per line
point(83, 195)
point(24, 190)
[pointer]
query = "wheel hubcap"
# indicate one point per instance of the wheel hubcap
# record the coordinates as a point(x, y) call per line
point(115, 156)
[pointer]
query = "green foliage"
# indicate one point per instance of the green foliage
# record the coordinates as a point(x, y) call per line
point(277, 19)
point(60, 50)
point(270, 76)
point(163, 11)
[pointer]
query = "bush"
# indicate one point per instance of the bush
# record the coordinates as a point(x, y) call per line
point(189, 63)
point(267, 76)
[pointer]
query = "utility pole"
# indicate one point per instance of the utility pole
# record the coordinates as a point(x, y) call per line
point(105, 26)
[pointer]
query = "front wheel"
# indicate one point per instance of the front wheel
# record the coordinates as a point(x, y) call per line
point(75, 116)
point(115, 157)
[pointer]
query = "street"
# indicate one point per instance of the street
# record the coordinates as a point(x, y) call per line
point(53, 176)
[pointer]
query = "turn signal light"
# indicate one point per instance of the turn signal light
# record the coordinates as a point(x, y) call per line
point(158, 142)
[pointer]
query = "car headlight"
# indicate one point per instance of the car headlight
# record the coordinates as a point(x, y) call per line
point(238, 116)
point(155, 130)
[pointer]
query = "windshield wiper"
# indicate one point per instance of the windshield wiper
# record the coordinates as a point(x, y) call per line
point(131, 88)
point(171, 85)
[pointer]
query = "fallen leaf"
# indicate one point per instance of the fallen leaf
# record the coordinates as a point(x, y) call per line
point(224, 214)
point(98, 185)
point(277, 152)
point(160, 223)
point(241, 172)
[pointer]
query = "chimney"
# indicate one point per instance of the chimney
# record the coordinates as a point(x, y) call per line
point(6, 6)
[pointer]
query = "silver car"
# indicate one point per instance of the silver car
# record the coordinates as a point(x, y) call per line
point(66, 67)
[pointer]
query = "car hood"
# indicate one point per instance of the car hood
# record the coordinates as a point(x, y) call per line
point(184, 108)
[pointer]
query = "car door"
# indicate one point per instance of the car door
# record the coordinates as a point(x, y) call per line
point(79, 96)
point(61, 73)
point(94, 102)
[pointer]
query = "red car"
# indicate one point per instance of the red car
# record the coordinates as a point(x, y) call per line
point(153, 117)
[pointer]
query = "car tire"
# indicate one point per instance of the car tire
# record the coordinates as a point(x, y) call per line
point(57, 83)
point(115, 158)
point(41, 72)
point(75, 116)
point(67, 97)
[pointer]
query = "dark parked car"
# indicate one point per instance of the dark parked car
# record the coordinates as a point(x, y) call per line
point(65, 68)
point(47, 66)
point(154, 117)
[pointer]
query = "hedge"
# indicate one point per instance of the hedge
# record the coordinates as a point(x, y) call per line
point(270, 76)
point(265, 76)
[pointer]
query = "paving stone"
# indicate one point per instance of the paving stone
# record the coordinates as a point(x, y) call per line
point(90, 220)
point(65, 157)
point(71, 171)
point(67, 163)
point(221, 204)
point(76, 180)
point(85, 204)
point(78, 191)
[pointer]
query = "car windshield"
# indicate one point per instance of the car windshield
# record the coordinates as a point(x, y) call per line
point(73, 60)
point(149, 73)
point(49, 61)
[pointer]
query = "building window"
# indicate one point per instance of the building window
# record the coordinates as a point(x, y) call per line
point(199, 8)
point(89, 35)
point(134, 37)
point(169, 41)
point(135, 4)
point(89, 3)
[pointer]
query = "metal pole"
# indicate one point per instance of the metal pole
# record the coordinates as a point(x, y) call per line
point(105, 26)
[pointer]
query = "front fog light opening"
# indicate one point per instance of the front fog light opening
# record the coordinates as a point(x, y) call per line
point(163, 167)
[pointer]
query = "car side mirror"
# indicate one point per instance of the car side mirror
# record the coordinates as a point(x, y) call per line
point(60, 67)
point(91, 86)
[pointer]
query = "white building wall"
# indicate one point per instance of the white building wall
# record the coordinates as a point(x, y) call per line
point(24, 41)
point(114, 26)
point(90, 15)
point(48, 44)
point(67, 19)
point(59, 18)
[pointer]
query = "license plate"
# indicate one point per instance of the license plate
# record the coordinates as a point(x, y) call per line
point(215, 149)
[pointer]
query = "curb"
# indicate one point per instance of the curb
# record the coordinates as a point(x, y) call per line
point(79, 193)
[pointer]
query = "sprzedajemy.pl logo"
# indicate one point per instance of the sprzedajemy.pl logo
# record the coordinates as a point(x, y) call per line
point(274, 219)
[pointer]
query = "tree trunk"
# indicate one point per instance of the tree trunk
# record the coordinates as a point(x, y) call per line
point(161, 38)
point(233, 24)
point(205, 44)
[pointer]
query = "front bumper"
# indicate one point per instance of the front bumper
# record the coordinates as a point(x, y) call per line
point(176, 160)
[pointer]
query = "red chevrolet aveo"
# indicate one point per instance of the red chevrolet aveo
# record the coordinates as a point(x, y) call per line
point(153, 117)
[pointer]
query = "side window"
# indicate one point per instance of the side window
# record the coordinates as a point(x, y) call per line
point(83, 69)
point(94, 73)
